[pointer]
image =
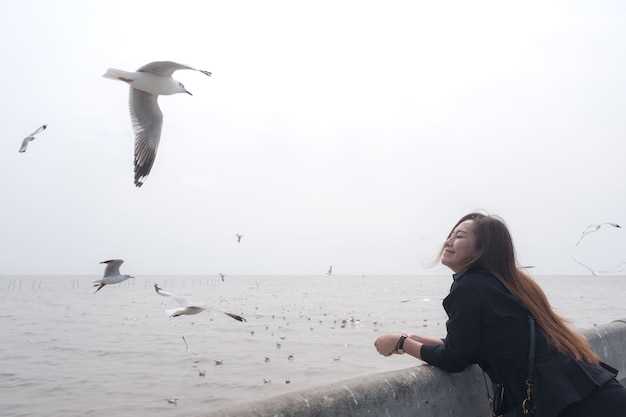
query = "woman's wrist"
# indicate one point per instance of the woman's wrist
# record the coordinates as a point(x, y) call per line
point(429, 341)
point(413, 347)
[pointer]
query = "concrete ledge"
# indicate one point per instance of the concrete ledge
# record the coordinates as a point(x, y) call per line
point(417, 391)
point(609, 341)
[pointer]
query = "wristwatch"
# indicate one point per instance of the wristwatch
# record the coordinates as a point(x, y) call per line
point(400, 344)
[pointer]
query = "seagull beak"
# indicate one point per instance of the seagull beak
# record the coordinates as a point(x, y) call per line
point(187, 91)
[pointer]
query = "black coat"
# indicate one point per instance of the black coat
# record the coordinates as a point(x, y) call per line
point(489, 327)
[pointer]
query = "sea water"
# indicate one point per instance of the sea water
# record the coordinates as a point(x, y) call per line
point(67, 351)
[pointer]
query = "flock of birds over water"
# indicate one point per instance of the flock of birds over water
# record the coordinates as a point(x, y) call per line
point(186, 307)
point(145, 85)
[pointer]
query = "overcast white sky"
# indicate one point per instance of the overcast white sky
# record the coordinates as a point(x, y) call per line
point(344, 133)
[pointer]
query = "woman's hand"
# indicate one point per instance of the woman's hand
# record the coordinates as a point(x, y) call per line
point(386, 344)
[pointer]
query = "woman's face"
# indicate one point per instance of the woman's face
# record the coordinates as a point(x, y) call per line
point(460, 246)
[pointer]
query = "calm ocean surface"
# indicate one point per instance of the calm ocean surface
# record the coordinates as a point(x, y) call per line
point(66, 351)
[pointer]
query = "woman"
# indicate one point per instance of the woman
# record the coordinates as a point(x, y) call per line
point(489, 307)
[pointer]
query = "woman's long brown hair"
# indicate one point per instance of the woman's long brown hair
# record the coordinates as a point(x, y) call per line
point(496, 254)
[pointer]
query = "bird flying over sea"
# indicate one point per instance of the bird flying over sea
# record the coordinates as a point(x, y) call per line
point(146, 84)
point(31, 138)
point(238, 236)
point(188, 308)
point(111, 274)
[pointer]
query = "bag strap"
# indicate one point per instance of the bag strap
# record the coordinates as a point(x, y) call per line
point(528, 405)
point(531, 348)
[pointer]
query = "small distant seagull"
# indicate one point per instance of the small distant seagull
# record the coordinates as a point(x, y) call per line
point(186, 345)
point(330, 271)
point(218, 362)
point(594, 228)
point(172, 401)
point(238, 236)
point(221, 276)
point(146, 84)
point(31, 137)
point(111, 274)
point(187, 308)
point(527, 267)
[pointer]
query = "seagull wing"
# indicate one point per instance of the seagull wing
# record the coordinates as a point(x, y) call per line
point(594, 273)
point(25, 143)
point(180, 300)
point(235, 316)
point(167, 68)
point(113, 267)
point(39, 130)
point(594, 228)
point(147, 122)
point(590, 229)
point(231, 315)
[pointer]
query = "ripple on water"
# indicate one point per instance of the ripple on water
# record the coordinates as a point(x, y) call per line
point(14, 357)
point(61, 348)
point(116, 353)
point(19, 383)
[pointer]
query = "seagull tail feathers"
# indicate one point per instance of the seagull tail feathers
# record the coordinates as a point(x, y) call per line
point(116, 74)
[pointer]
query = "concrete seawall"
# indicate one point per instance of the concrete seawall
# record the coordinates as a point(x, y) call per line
point(416, 391)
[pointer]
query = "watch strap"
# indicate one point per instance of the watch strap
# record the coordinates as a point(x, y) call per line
point(400, 344)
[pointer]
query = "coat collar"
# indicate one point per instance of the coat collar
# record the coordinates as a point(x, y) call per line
point(457, 276)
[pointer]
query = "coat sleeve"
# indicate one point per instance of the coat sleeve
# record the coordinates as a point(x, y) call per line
point(462, 343)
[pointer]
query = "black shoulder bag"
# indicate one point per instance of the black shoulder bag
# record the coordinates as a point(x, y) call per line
point(527, 407)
